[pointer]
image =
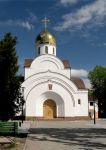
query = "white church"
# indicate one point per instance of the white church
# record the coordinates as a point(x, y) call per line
point(49, 89)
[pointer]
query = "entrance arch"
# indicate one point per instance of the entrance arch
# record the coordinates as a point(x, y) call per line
point(49, 109)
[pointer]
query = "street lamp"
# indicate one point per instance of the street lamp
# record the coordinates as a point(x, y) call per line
point(22, 102)
point(94, 112)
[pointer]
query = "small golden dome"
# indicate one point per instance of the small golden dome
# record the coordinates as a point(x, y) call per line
point(45, 37)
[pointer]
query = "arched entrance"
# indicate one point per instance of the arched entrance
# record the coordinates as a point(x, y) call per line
point(49, 109)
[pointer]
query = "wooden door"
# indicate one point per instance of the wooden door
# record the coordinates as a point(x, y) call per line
point(49, 109)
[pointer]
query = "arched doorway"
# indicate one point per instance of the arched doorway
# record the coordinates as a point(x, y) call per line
point(49, 109)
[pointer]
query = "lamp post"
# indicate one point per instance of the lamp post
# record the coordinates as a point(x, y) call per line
point(22, 102)
point(94, 113)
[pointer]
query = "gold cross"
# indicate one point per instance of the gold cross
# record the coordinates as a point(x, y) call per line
point(45, 21)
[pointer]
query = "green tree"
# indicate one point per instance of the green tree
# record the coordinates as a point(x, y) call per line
point(9, 81)
point(98, 80)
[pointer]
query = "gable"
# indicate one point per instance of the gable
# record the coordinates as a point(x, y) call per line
point(27, 63)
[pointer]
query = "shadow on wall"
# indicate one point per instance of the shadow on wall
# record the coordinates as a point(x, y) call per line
point(86, 139)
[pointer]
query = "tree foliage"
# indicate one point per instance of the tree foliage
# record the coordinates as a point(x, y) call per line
point(98, 80)
point(9, 81)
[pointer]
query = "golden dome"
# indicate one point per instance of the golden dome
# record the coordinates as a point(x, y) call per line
point(45, 37)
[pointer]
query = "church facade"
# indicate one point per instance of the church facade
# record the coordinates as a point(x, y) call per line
point(49, 90)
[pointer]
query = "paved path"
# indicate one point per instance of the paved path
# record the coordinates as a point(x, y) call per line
point(67, 135)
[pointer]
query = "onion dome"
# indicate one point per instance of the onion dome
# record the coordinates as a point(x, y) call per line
point(45, 37)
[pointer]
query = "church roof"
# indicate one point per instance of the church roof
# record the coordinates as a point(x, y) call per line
point(28, 62)
point(45, 37)
point(78, 82)
point(66, 63)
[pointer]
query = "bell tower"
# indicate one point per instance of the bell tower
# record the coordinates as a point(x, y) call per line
point(45, 41)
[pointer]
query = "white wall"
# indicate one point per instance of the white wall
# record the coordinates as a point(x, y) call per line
point(48, 69)
point(63, 93)
point(40, 93)
point(44, 63)
point(50, 49)
point(82, 108)
point(92, 107)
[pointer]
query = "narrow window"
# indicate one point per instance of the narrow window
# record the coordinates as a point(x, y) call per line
point(53, 50)
point(46, 49)
point(38, 50)
point(79, 101)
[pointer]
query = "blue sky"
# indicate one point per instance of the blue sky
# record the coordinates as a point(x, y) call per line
point(78, 25)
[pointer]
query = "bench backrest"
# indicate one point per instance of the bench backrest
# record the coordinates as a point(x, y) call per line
point(8, 128)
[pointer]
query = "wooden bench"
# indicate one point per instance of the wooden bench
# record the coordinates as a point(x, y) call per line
point(8, 129)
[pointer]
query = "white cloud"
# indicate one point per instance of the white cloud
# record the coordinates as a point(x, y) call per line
point(93, 13)
point(87, 83)
point(83, 74)
point(66, 2)
point(79, 73)
point(25, 24)
point(104, 43)
point(32, 17)
point(19, 23)
point(98, 44)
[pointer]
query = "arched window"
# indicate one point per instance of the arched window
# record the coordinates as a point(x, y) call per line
point(53, 50)
point(46, 49)
point(79, 101)
point(38, 50)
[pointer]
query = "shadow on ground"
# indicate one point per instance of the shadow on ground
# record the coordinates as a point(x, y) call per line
point(86, 139)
